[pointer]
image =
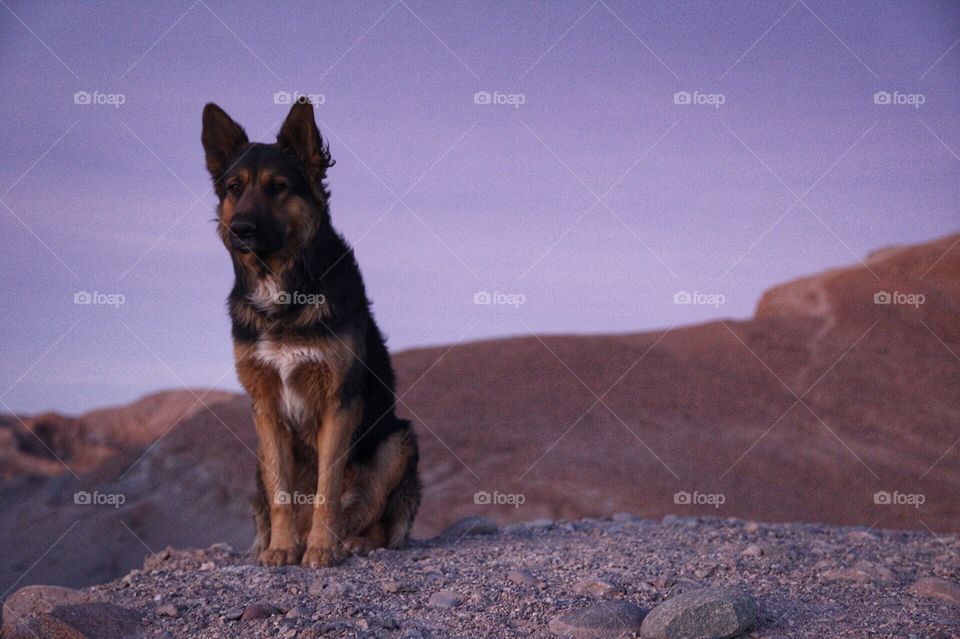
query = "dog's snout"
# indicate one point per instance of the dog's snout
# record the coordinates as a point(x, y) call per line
point(243, 229)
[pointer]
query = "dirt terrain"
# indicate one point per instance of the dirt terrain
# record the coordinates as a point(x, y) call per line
point(806, 580)
point(826, 407)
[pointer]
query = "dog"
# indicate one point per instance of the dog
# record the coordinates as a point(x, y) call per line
point(337, 468)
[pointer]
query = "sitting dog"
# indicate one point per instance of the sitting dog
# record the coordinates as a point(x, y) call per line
point(337, 468)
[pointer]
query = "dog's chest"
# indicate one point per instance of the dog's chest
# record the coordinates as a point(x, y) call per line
point(286, 359)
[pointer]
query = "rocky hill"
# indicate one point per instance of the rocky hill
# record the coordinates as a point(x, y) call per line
point(837, 403)
point(700, 577)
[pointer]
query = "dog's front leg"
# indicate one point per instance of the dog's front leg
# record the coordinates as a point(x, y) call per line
point(327, 530)
point(276, 468)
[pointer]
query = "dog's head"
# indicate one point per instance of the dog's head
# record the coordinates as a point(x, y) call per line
point(272, 196)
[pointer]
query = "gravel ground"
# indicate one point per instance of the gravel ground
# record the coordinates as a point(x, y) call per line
point(808, 581)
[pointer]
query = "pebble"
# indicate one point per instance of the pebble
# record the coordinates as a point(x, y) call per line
point(594, 588)
point(605, 619)
point(258, 610)
point(706, 613)
point(522, 577)
point(233, 614)
point(753, 550)
point(445, 599)
point(168, 610)
point(938, 589)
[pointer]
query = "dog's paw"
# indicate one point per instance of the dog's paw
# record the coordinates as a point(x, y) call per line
point(322, 556)
point(357, 545)
point(278, 557)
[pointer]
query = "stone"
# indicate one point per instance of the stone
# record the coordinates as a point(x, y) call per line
point(445, 599)
point(37, 600)
point(233, 614)
point(96, 620)
point(470, 526)
point(938, 589)
point(605, 619)
point(705, 613)
point(522, 577)
point(168, 610)
point(594, 588)
point(259, 610)
point(753, 550)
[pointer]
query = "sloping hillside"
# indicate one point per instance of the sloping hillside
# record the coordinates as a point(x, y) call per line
point(815, 410)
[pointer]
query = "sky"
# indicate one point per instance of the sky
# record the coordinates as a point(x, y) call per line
point(576, 165)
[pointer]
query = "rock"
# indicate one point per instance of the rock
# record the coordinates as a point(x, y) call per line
point(753, 550)
point(233, 614)
point(295, 613)
point(168, 610)
point(445, 599)
point(470, 526)
point(862, 573)
point(751, 527)
point(37, 600)
point(259, 610)
point(606, 619)
point(95, 620)
point(522, 577)
point(594, 588)
point(937, 588)
point(707, 613)
point(542, 522)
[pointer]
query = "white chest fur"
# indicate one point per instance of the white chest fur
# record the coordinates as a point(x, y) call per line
point(286, 358)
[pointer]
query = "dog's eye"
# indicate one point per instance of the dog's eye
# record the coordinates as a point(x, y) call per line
point(234, 188)
point(276, 187)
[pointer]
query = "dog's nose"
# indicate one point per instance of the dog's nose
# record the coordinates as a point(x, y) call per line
point(243, 229)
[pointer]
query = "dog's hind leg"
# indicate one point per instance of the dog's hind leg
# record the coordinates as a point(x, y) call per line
point(261, 516)
point(404, 500)
point(365, 500)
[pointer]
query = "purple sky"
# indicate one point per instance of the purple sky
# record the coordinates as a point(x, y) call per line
point(493, 197)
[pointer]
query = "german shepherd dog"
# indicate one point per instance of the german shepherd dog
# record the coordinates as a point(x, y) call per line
point(337, 468)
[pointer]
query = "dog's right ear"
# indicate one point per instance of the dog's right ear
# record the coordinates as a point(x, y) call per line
point(222, 138)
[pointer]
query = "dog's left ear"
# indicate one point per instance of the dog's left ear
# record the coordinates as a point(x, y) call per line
point(222, 138)
point(299, 133)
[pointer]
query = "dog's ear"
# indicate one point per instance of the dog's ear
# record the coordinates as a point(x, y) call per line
point(222, 138)
point(299, 133)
